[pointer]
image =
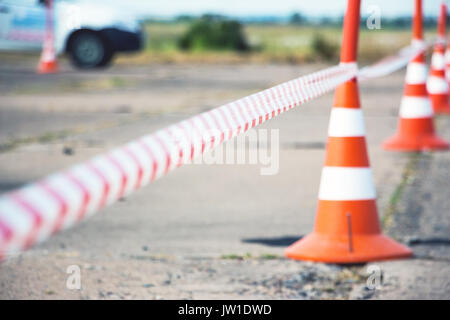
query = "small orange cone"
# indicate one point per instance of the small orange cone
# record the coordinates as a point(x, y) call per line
point(437, 85)
point(48, 62)
point(347, 228)
point(416, 125)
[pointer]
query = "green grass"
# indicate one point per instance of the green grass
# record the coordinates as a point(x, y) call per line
point(407, 176)
point(269, 256)
point(270, 43)
point(163, 37)
point(234, 256)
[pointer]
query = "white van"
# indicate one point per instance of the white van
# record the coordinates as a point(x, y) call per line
point(90, 32)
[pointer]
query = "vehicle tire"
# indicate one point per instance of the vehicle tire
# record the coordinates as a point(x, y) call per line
point(88, 50)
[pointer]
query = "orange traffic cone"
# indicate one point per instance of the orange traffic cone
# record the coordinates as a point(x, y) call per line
point(447, 65)
point(416, 125)
point(347, 228)
point(437, 85)
point(48, 62)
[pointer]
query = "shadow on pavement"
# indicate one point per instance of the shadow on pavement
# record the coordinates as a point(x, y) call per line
point(274, 242)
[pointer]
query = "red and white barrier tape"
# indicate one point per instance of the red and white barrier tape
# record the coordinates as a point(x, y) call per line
point(33, 213)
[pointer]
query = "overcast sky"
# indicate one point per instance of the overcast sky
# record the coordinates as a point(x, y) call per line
point(276, 7)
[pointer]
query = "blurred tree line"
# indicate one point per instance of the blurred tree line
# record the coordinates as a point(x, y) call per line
point(298, 18)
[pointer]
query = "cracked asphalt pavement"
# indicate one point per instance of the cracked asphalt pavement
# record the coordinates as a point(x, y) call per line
point(211, 231)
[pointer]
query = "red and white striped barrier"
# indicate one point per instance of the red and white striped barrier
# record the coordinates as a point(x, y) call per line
point(33, 213)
